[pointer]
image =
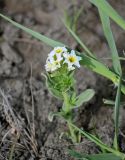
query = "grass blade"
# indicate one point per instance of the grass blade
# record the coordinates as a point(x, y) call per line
point(35, 34)
point(79, 41)
point(87, 61)
point(109, 102)
point(105, 156)
point(111, 42)
point(72, 21)
point(77, 155)
point(98, 67)
point(107, 8)
point(98, 142)
point(116, 114)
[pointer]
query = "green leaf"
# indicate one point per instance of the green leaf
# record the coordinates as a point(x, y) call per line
point(98, 142)
point(116, 114)
point(35, 34)
point(77, 155)
point(53, 114)
point(87, 61)
point(101, 69)
point(79, 41)
point(72, 21)
point(109, 36)
point(109, 102)
point(76, 17)
point(105, 156)
point(49, 84)
point(98, 67)
point(84, 97)
point(107, 8)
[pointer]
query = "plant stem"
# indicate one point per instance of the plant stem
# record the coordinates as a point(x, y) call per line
point(66, 107)
point(12, 148)
point(72, 133)
point(69, 117)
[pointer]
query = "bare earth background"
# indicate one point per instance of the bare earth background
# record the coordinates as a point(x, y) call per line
point(22, 61)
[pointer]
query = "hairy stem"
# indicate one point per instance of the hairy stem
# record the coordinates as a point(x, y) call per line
point(69, 117)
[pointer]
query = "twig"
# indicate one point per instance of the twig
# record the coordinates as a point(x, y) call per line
point(31, 89)
point(12, 148)
point(5, 136)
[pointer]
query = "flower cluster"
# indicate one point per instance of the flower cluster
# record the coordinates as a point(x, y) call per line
point(60, 56)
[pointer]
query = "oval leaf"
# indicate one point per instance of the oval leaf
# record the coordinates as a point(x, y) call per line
point(84, 97)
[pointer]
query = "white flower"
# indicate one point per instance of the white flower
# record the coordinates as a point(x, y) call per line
point(52, 65)
point(58, 56)
point(72, 60)
point(56, 53)
point(53, 62)
point(54, 59)
point(60, 50)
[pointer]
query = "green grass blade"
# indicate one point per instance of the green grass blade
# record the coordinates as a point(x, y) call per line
point(109, 36)
point(112, 103)
point(87, 61)
point(37, 35)
point(109, 102)
point(79, 41)
point(76, 154)
point(72, 21)
point(105, 156)
point(98, 142)
point(116, 114)
point(107, 8)
point(101, 69)
point(98, 67)
point(76, 18)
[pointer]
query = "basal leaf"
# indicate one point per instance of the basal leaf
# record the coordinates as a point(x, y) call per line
point(84, 97)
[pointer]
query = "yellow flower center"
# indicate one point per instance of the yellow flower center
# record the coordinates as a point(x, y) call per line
point(72, 59)
point(59, 50)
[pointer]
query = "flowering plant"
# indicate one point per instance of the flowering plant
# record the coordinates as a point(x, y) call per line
point(60, 66)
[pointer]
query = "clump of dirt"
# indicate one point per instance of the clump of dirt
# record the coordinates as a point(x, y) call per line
point(26, 133)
